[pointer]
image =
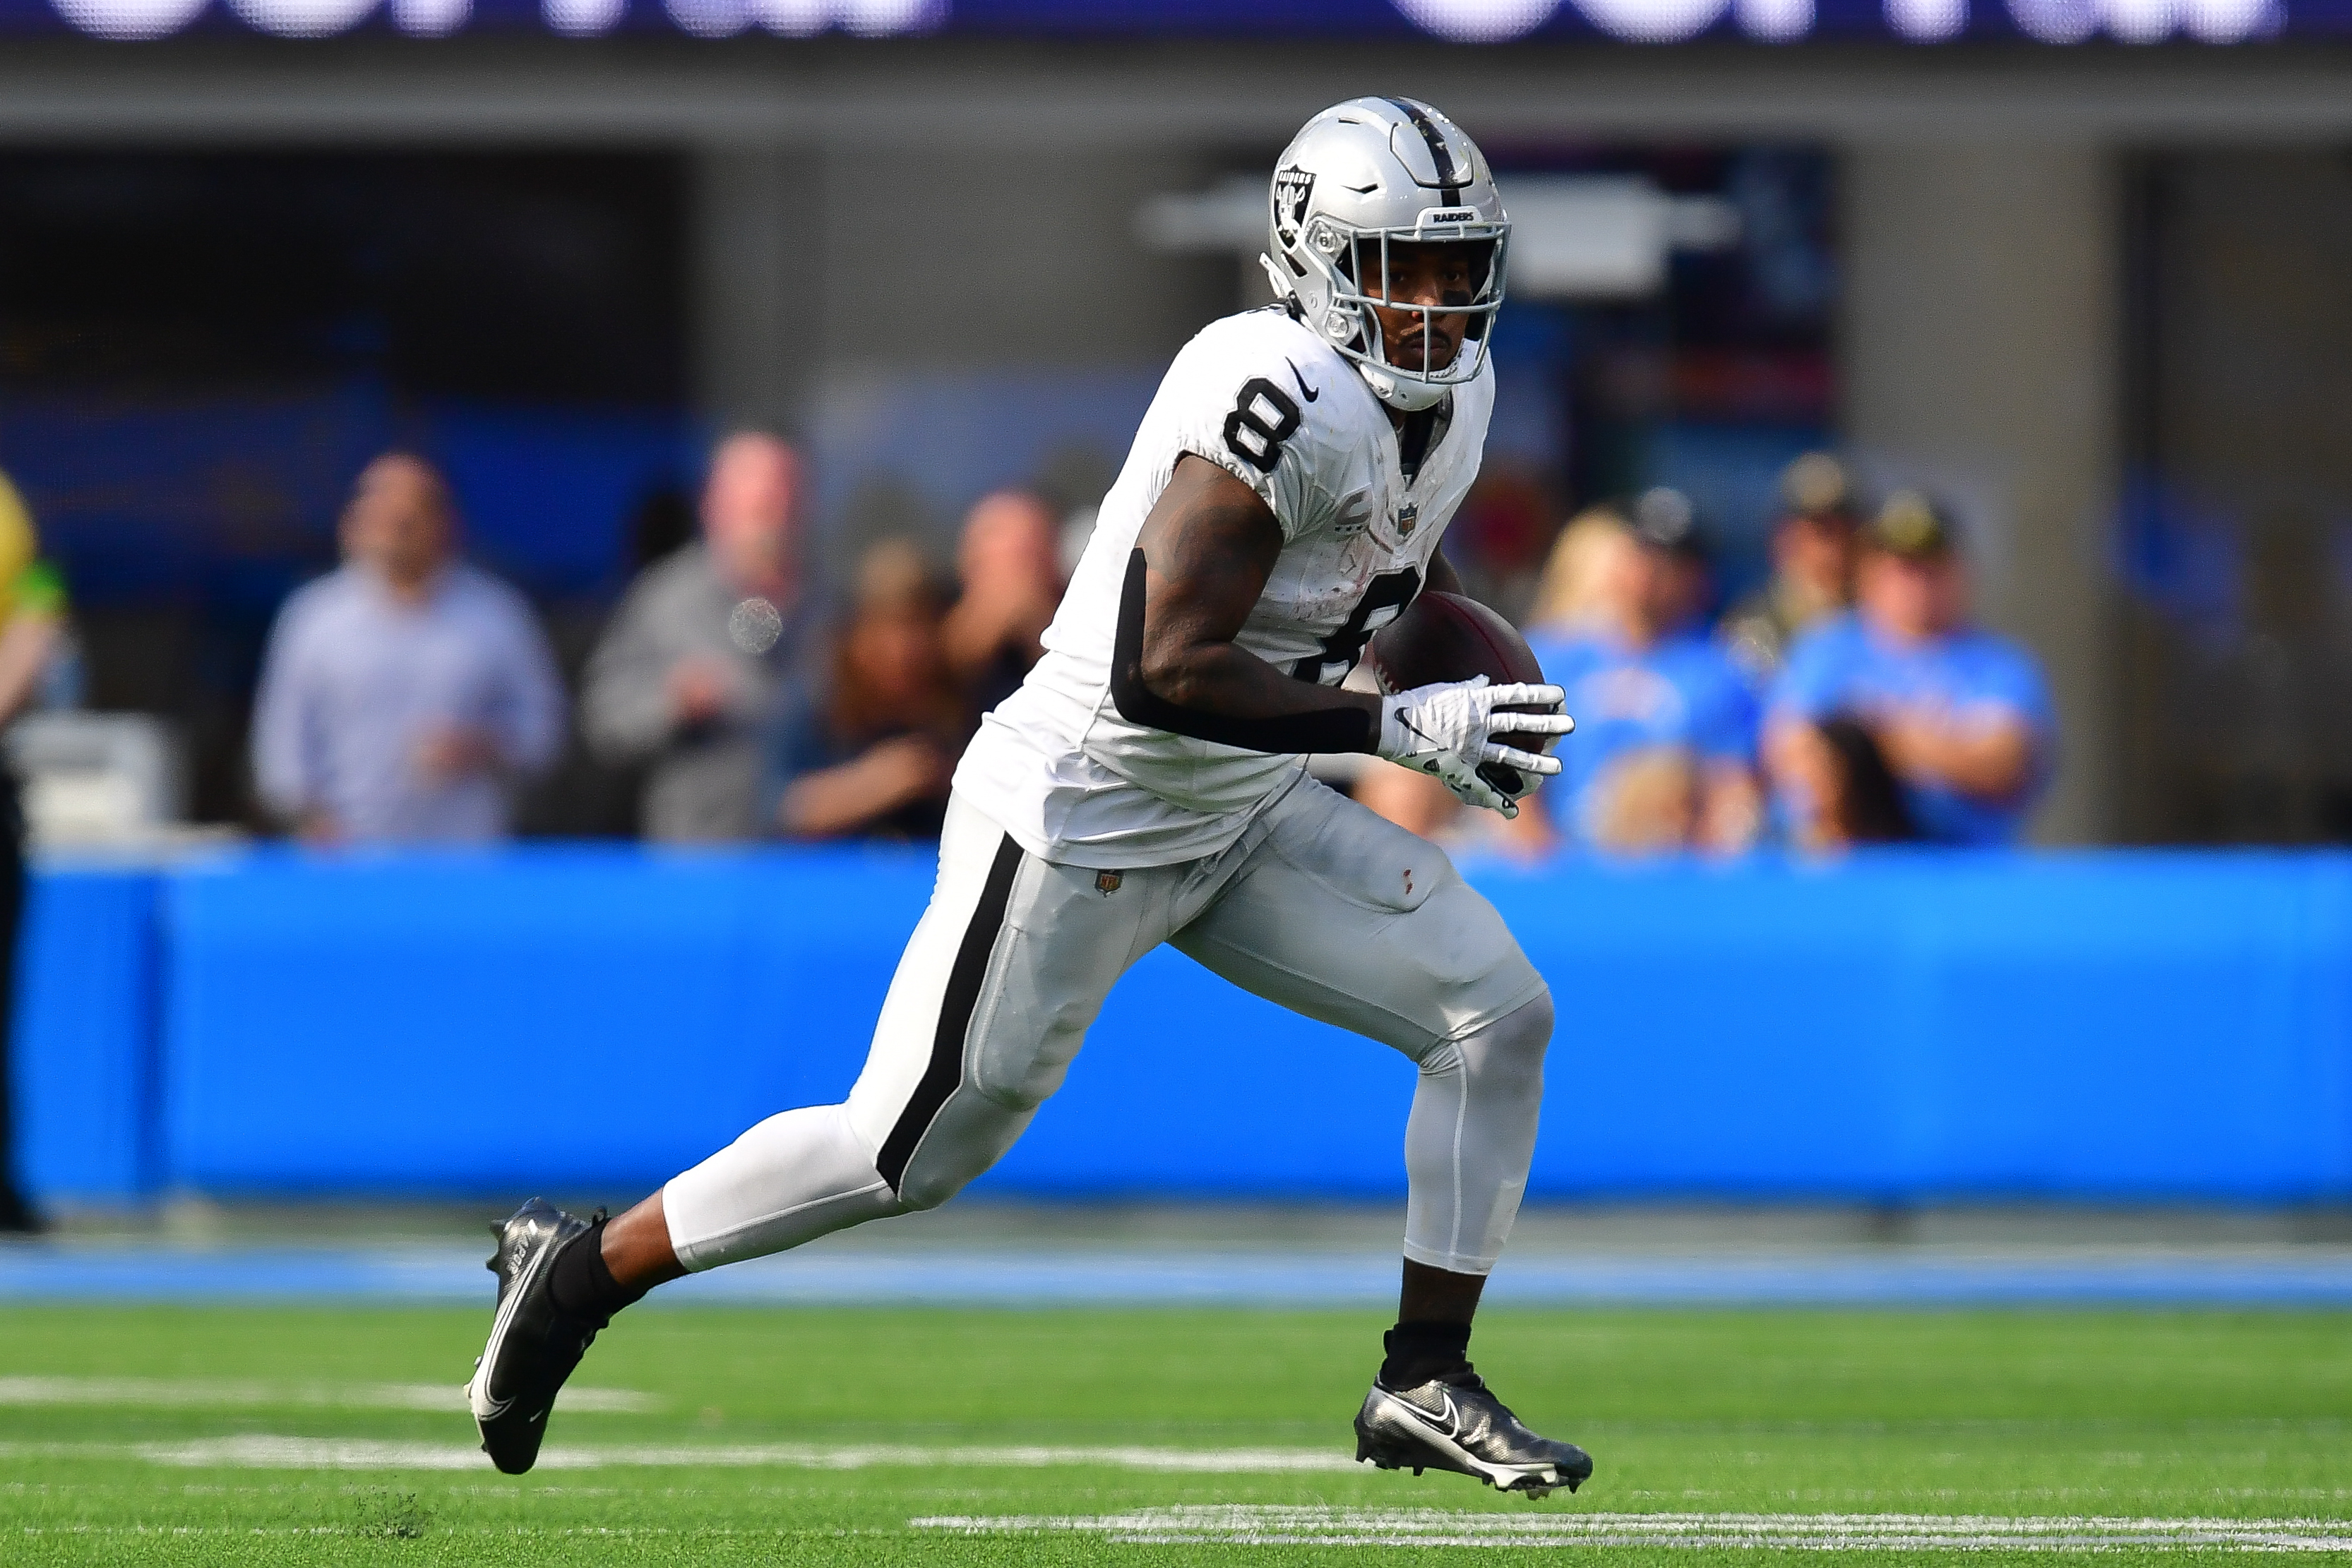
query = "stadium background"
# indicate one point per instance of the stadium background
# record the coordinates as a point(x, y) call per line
point(2081, 266)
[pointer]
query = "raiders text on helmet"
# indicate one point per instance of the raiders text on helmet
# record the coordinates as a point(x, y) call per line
point(1362, 176)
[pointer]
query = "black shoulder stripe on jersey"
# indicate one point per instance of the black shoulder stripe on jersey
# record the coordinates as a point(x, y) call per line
point(945, 1069)
point(1449, 185)
point(1330, 730)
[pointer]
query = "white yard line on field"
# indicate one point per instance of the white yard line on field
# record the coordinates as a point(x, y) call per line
point(1281, 1526)
point(218, 1392)
point(258, 1451)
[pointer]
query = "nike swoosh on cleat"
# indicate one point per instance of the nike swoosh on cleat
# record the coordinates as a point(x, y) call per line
point(1309, 394)
point(499, 1324)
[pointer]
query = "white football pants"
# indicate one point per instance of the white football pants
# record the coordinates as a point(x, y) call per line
point(1320, 905)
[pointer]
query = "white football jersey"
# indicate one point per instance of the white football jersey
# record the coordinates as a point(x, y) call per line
point(1056, 766)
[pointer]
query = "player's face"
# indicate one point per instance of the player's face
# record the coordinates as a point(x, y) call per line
point(1422, 274)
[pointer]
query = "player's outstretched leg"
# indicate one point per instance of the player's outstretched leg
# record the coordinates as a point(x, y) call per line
point(1468, 1146)
point(552, 1302)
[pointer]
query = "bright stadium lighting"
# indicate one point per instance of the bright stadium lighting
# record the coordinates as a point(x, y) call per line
point(129, 18)
point(881, 18)
point(1927, 21)
point(431, 18)
point(795, 19)
point(2055, 21)
point(710, 18)
point(1774, 21)
point(1653, 21)
point(1477, 21)
point(302, 18)
point(2141, 21)
point(861, 18)
point(2231, 21)
point(583, 18)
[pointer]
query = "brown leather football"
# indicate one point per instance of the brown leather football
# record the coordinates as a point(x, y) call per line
point(1444, 636)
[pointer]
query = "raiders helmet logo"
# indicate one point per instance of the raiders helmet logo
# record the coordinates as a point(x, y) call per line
point(1292, 186)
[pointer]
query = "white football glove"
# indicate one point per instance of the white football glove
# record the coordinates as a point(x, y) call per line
point(1444, 730)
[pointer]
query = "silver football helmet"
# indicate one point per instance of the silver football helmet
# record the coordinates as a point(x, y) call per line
point(1359, 177)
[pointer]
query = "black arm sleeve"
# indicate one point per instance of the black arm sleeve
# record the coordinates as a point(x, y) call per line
point(1333, 729)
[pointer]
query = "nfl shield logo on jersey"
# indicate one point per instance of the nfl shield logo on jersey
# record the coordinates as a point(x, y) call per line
point(1408, 517)
point(1292, 186)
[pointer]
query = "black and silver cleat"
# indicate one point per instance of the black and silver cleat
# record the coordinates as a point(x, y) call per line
point(533, 1346)
point(1454, 1423)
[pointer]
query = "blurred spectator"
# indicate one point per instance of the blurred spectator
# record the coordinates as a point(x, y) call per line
point(1499, 538)
point(1813, 566)
point(32, 624)
point(1640, 679)
point(404, 694)
point(688, 679)
point(1568, 595)
point(1647, 801)
point(871, 753)
point(1010, 561)
point(1903, 689)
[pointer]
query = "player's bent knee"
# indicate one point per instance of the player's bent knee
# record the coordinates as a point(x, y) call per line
point(925, 1192)
point(1513, 1046)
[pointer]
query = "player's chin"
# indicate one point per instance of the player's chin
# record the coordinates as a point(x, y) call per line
point(1440, 357)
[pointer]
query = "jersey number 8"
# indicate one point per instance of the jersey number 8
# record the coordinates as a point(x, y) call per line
point(1250, 435)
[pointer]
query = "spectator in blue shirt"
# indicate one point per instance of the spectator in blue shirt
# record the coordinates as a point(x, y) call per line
point(1664, 752)
point(405, 696)
point(1900, 719)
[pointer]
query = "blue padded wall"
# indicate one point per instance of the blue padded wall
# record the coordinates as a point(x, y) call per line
point(83, 1086)
point(2126, 1027)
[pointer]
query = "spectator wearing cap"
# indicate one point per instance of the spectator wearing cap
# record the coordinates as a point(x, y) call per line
point(1900, 719)
point(688, 679)
point(1664, 751)
point(406, 694)
point(1812, 567)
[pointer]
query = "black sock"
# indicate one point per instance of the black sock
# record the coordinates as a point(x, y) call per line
point(1422, 1350)
point(581, 1283)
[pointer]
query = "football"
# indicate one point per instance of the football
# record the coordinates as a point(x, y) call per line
point(1444, 636)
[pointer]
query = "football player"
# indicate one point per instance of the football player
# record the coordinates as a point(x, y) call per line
point(1284, 500)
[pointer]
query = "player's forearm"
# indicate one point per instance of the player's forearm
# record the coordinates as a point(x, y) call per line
point(1186, 676)
point(1220, 681)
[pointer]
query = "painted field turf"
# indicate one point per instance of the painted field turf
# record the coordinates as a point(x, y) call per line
point(714, 1434)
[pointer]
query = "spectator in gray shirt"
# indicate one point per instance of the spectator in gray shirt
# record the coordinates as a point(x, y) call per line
point(404, 695)
point(688, 679)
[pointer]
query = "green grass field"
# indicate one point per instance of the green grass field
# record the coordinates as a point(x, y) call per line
point(156, 1435)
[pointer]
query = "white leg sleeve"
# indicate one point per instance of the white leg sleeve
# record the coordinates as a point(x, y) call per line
point(791, 1180)
point(1470, 1138)
point(990, 1003)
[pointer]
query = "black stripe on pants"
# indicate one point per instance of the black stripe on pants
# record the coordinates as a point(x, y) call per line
point(945, 1069)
